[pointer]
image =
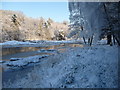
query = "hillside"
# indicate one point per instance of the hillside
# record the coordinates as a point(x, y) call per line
point(17, 26)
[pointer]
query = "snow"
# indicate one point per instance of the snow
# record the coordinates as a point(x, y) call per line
point(63, 42)
point(15, 43)
point(48, 51)
point(24, 61)
point(102, 42)
point(14, 59)
point(87, 67)
point(46, 43)
point(2, 61)
point(38, 42)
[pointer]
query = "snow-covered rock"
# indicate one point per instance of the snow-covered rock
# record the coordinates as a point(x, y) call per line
point(15, 59)
point(1, 61)
point(19, 62)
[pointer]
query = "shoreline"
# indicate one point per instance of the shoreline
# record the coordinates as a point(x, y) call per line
point(76, 67)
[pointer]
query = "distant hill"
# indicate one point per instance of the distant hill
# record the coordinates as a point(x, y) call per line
point(17, 26)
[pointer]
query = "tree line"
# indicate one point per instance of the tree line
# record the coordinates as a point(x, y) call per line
point(17, 26)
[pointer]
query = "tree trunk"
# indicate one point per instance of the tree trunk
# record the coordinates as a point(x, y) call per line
point(91, 40)
point(109, 39)
point(84, 40)
point(117, 40)
point(113, 39)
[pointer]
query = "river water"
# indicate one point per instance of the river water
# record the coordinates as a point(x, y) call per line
point(21, 52)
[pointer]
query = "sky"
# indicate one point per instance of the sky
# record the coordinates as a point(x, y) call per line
point(58, 11)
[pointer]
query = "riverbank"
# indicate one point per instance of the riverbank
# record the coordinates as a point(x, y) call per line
point(37, 43)
point(77, 67)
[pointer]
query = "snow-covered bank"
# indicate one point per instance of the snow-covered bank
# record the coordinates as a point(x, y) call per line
point(25, 61)
point(15, 43)
point(20, 63)
point(37, 43)
point(16, 63)
point(34, 42)
point(44, 43)
point(94, 67)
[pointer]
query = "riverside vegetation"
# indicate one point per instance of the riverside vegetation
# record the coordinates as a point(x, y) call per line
point(17, 26)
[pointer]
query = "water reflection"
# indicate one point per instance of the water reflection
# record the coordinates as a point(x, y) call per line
point(17, 52)
point(13, 50)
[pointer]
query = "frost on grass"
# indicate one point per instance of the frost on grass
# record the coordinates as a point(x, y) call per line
point(87, 67)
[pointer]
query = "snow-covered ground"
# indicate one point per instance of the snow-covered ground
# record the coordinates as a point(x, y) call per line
point(20, 62)
point(35, 42)
point(15, 43)
point(44, 43)
point(87, 67)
